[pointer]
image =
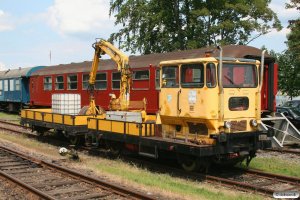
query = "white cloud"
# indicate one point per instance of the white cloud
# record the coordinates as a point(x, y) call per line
point(274, 32)
point(278, 6)
point(80, 16)
point(5, 24)
point(2, 66)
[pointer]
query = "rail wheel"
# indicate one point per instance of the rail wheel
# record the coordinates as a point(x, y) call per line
point(115, 148)
point(75, 140)
point(191, 163)
point(40, 131)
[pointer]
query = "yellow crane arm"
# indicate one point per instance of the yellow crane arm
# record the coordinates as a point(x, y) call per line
point(104, 47)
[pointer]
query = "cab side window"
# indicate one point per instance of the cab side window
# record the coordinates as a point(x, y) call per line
point(210, 75)
point(170, 77)
point(192, 75)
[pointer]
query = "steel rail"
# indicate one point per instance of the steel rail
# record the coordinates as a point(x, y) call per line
point(88, 179)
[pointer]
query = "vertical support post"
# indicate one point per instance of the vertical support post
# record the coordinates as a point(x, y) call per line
point(221, 90)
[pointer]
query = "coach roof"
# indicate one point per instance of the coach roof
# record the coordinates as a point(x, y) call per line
point(19, 72)
point(235, 51)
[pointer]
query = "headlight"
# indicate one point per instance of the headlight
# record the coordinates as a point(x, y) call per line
point(253, 122)
point(227, 124)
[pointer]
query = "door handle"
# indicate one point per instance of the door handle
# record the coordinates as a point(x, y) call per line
point(178, 101)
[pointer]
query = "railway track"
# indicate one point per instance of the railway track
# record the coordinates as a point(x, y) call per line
point(14, 127)
point(244, 179)
point(285, 150)
point(50, 181)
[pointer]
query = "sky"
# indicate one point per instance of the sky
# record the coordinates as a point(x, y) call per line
point(31, 29)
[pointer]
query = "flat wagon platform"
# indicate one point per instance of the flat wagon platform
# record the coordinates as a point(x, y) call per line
point(43, 120)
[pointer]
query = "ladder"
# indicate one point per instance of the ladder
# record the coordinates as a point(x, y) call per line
point(283, 130)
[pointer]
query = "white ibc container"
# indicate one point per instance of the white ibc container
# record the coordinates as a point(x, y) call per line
point(66, 103)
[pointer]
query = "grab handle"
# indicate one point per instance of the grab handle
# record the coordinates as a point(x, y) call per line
point(178, 101)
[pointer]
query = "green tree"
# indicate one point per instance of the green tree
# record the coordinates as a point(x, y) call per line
point(292, 67)
point(165, 25)
point(289, 74)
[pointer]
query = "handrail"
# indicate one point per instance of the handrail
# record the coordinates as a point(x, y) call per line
point(262, 64)
point(178, 102)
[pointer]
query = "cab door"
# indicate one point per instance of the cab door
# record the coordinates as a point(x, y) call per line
point(192, 82)
point(170, 91)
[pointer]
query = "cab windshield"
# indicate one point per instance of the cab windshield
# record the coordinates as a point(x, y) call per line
point(239, 75)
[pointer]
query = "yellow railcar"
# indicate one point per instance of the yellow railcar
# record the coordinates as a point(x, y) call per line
point(209, 112)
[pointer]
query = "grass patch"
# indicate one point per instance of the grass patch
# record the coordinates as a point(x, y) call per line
point(165, 182)
point(275, 165)
point(8, 116)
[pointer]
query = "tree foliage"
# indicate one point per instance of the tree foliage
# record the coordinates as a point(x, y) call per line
point(289, 61)
point(289, 74)
point(164, 25)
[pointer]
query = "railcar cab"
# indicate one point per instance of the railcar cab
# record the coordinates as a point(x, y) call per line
point(211, 100)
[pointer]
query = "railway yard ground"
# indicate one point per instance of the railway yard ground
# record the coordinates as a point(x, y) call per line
point(159, 185)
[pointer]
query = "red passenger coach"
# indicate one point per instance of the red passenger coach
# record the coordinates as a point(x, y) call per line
point(73, 79)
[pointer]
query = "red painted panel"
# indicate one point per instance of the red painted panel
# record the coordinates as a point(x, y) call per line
point(40, 97)
point(264, 90)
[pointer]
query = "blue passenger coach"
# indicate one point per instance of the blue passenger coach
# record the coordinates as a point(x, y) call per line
point(14, 88)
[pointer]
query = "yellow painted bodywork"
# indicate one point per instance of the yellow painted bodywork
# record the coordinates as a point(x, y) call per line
point(119, 127)
point(46, 115)
point(176, 107)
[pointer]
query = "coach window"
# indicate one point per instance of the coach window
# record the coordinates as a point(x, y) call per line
point(210, 75)
point(1, 87)
point(157, 77)
point(47, 83)
point(59, 83)
point(170, 77)
point(17, 83)
point(5, 85)
point(72, 82)
point(192, 75)
point(85, 81)
point(101, 81)
point(11, 85)
point(116, 78)
point(140, 79)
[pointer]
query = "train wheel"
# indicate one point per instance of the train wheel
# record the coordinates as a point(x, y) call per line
point(75, 140)
point(191, 163)
point(40, 131)
point(115, 148)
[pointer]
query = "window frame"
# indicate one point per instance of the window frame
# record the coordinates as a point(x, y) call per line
point(1, 87)
point(140, 80)
point(17, 84)
point(157, 79)
point(63, 82)
point(48, 83)
point(215, 75)
point(69, 82)
point(202, 75)
point(99, 81)
point(175, 78)
point(82, 81)
point(5, 86)
point(11, 85)
point(238, 86)
point(112, 80)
